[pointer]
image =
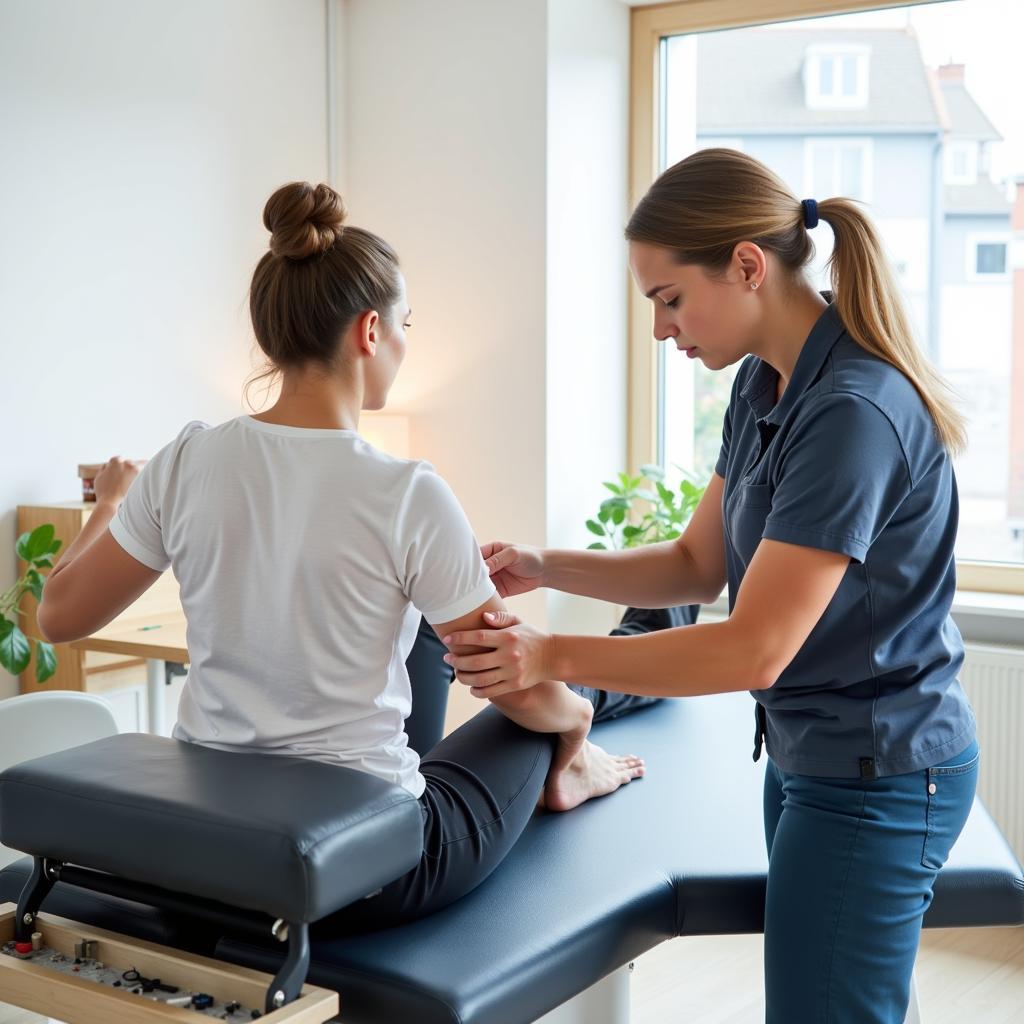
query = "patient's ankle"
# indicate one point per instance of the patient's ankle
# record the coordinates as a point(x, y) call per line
point(586, 719)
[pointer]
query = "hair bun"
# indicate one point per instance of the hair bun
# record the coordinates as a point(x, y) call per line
point(304, 220)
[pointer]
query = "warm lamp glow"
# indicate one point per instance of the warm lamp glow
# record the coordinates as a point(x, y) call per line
point(387, 432)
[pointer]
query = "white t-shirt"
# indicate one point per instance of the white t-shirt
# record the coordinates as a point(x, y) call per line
point(305, 558)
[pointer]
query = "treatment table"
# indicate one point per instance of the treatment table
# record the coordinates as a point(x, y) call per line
point(158, 824)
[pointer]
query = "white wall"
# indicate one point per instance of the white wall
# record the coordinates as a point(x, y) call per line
point(587, 278)
point(444, 140)
point(485, 139)
point(487, 142)
point(138, 142)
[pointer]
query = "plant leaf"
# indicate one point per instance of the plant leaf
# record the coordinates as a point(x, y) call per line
point(35, 584)
point(36, 544)
point(46, 661)
point(650, 515)
point(611, 504)
point(15, 652)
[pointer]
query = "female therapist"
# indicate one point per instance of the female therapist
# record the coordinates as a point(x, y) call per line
point(831, 515)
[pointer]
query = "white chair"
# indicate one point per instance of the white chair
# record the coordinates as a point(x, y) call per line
point(34, 724)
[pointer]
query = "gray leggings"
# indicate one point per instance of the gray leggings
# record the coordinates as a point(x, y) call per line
point(483, 783)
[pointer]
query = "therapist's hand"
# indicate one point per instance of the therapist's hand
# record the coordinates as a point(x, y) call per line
point(513, 568)
point(520, 657)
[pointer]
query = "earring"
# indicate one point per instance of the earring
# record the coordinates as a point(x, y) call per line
point(753, 284)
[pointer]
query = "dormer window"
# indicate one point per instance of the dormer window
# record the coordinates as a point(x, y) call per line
point(961, 163)
point(836, 77)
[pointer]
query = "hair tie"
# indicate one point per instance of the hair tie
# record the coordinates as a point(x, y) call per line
point(810, 208)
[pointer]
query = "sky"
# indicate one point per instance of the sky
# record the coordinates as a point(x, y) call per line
point(987, 37)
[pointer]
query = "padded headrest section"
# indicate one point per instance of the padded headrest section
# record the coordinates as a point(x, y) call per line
point(288, 836)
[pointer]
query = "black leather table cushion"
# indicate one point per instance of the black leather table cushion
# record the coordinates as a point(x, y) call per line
point(680, 852)
point(285, 835)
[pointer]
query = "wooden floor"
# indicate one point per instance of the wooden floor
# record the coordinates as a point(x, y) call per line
point(974, 975)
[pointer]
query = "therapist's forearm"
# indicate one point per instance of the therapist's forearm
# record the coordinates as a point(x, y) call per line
point(651, 576)
point(684, 662)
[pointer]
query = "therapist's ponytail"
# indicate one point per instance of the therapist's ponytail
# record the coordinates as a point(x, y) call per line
point(705, 205)
point(317, 277)
point(871, 308)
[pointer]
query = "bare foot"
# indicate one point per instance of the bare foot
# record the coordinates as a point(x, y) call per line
point(590, 772)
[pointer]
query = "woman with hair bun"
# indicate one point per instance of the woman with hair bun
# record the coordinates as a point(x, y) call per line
point(306, 558)
point(831, 516)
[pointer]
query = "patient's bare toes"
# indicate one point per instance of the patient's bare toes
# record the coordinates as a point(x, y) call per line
point(592, 773)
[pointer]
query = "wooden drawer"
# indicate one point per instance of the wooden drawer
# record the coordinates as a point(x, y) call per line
point(34, 986)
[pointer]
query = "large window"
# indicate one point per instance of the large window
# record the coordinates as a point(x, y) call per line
point(908, 111)
point(838, 167)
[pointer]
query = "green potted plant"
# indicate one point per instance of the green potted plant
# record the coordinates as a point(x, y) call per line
point(37, 550)
point(636, 514)
point(644, 510)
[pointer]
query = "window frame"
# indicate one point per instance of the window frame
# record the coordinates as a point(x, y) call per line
point(865, 147)
point(814, 55)
point(976, 238)
point(648, 27)
point(970, 150)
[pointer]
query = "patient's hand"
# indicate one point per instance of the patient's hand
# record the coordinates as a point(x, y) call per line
point(514, 568)
point(114, 479)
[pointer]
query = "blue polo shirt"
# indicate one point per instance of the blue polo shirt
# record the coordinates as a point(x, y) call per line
point(848, 461)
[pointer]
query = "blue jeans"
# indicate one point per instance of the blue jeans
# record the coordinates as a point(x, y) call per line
point(851, 868)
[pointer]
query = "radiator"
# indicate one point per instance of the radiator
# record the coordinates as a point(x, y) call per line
point(994, 680)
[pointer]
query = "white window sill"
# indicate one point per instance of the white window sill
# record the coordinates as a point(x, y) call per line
point(986, 617)
point(983, 602)
point(982, 616)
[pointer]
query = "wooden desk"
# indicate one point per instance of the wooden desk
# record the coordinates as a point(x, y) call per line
point(157, 638)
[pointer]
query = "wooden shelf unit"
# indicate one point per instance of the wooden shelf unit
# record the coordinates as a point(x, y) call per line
point(88, 671)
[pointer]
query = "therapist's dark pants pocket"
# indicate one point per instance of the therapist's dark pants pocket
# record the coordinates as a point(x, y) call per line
point(851, 868)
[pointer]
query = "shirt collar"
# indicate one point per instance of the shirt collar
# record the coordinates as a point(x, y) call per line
point(759, 391)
